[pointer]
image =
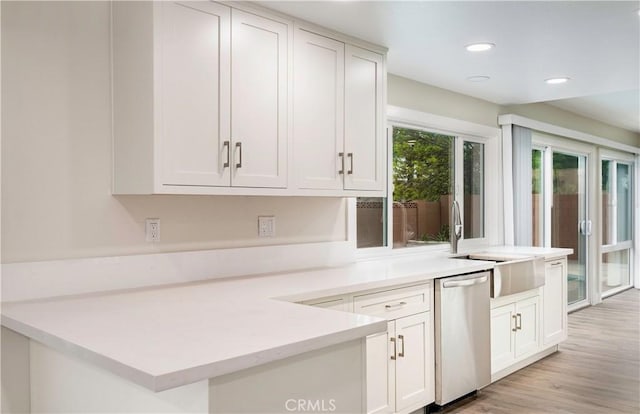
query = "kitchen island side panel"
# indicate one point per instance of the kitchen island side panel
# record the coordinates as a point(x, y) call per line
point(331, 379)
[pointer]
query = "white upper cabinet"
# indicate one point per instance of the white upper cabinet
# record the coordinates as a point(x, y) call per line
point(205, 96)
point(364, 120)
point(318, 110)
point(194, 83)
point(339, 141)
point(258, 100)
point(200, 99)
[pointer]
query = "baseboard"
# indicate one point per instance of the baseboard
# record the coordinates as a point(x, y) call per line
point(523, 363)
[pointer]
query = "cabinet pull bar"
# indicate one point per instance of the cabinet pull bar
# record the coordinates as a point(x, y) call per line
point(515, 323)
point(395, 350)
point(226, 145)
point(341, 155)
point(350, 155)
point(401, 354)
point(556, 263)
point(395, 305)
point(519, 321)
point(239, 146)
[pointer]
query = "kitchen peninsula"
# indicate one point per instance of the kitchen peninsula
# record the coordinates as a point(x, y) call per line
point(208, 342)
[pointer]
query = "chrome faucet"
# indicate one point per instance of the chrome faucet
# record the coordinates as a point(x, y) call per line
point(456, 226)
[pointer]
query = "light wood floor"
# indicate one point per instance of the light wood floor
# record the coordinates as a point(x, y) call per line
point(597, 370)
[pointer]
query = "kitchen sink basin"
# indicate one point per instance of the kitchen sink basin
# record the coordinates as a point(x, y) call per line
point(512, 273)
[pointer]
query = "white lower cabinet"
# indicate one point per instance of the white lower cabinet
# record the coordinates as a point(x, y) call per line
point(414, 370)
point(554, 302)
point(380, 377)
point(400, 376)
point(515, 329)
point(400, 362)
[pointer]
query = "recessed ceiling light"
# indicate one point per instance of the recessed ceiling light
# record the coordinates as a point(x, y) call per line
point(555, 81)
point(478, 78)
point(479, 47)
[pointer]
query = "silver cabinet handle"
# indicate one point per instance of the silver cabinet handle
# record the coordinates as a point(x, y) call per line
point(515, 323)
point(556, 263)
point(395, 350)
point(518, 321)
point(463, 283)
point(350, 155)
point(395, 305)
point(226, 145)
point(341, 155)
point(239, 147)
point(401, 354)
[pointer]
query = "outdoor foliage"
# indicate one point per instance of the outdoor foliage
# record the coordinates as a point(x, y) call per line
point(422, 165)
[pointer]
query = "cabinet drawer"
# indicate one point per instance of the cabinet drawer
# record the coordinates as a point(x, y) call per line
point(395, 303)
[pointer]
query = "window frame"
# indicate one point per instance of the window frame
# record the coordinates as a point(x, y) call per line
point(398, 117)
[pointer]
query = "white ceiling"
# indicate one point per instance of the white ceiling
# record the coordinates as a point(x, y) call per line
point(595, 43)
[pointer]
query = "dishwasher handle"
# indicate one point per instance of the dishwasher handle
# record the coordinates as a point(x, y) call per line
point(465, 282)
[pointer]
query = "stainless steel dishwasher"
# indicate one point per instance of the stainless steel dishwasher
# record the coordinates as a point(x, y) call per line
point(463, 335)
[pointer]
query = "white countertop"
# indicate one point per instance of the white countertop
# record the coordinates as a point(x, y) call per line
point(165, 337)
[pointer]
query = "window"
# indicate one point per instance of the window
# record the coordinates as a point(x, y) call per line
point(426, 167)
point(615, 270)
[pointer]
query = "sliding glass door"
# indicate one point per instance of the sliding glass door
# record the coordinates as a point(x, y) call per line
point(560, 212)
point(569, 222)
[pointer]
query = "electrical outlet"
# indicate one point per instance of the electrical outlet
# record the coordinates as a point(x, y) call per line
point(266, 226)
point(152, 229)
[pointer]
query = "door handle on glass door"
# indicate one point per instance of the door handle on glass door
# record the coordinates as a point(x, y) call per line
point(585, 227)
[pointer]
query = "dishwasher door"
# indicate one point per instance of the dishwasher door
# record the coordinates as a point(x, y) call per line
point(463, 335)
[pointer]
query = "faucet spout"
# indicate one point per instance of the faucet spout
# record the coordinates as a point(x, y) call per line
point(456, 226)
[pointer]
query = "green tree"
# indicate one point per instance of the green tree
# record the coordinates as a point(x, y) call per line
point(422, 165)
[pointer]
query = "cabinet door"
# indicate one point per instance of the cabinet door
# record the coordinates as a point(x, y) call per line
point(554, 303)
point(259, 76)
point(503, 325)
point(380, 372)
point(364, 120)
point(318, 111)
point(193, 56)
point(414, 364)
point(528, 326)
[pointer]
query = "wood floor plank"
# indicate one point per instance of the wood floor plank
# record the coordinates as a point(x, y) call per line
point(596, 371)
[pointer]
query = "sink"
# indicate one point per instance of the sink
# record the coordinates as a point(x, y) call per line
point(512, 273)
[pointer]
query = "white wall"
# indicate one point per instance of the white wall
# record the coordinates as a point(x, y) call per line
point(419, 96)
point(56, 156)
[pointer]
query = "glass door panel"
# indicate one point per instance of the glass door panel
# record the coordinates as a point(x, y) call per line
point(537, 198)
point(617, 205)
point(615, 270)
point(569, 224)
point(624, 204)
